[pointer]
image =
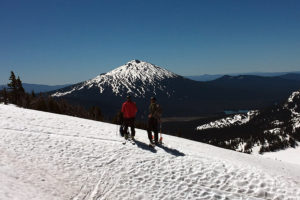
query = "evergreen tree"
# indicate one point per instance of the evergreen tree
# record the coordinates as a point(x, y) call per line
point(20, 93)
point(53, 106)
point(12, 86)
point(27, 101)
point(118, 118)
point(17, 91)
point(33, 94)
point(41, 104)
point(95, 113)
point(98, 114)
point(13, 82)
point(5, 96)
point(19, 85)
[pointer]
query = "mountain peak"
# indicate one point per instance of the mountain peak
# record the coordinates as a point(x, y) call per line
point(134, 61)
point(136, 69)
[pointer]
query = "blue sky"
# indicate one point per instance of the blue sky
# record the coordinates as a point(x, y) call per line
point(68, 41)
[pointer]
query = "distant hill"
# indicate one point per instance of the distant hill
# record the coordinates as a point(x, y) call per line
point(291, 76)
point(37, 88)
point(210, 77)
point(251, 82)
point(205, 77)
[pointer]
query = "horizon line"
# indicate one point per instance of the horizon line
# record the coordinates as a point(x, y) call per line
point(221, 74)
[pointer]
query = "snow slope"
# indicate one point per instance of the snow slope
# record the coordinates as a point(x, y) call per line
point(290, 155)
point(50, 156)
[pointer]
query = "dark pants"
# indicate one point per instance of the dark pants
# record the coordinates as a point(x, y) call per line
point(153, 126)
point(129, 122)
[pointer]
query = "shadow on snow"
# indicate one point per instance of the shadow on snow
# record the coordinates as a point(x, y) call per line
point(172, 151)
point(145, 146)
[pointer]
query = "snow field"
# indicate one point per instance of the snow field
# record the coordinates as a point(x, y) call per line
point(290, 155)
point(49, 156)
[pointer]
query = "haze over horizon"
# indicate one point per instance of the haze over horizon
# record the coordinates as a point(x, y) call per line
point(200, 77)
point(59, 42)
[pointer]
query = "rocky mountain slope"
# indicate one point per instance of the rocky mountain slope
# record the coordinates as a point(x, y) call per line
point(270, 129)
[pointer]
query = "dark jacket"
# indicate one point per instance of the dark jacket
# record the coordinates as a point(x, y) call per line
point(155, 111)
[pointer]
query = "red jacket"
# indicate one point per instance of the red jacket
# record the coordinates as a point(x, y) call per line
point(129, 109)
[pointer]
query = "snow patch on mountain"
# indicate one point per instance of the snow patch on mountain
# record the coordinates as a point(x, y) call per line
point(293, 96)
point(277, 123)
point(292, 104)
point(229, 121)
point(59, 94)
point(135, 77)
point(273, 131)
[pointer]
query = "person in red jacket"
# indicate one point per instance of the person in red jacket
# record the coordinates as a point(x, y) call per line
point(129, 111)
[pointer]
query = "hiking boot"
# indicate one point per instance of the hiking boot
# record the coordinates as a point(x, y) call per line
point(126, 136)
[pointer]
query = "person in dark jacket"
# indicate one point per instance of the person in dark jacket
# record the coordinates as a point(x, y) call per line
point(153, 120)
point(129, 111)
point(120, 121)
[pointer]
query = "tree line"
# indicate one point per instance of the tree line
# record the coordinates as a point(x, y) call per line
point(15, 94)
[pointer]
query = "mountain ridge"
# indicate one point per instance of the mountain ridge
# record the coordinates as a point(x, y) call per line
point(179, 96)
point(211, 77)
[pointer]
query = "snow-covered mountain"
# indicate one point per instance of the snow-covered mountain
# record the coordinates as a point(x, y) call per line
point(135, 77)
point(177, 95)
point(270, 129)
point(49, 156)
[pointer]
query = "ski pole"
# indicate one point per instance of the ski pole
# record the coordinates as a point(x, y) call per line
point(161, 138)
point(117, 129)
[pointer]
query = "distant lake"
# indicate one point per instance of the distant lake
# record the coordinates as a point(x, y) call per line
point(230, 112)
